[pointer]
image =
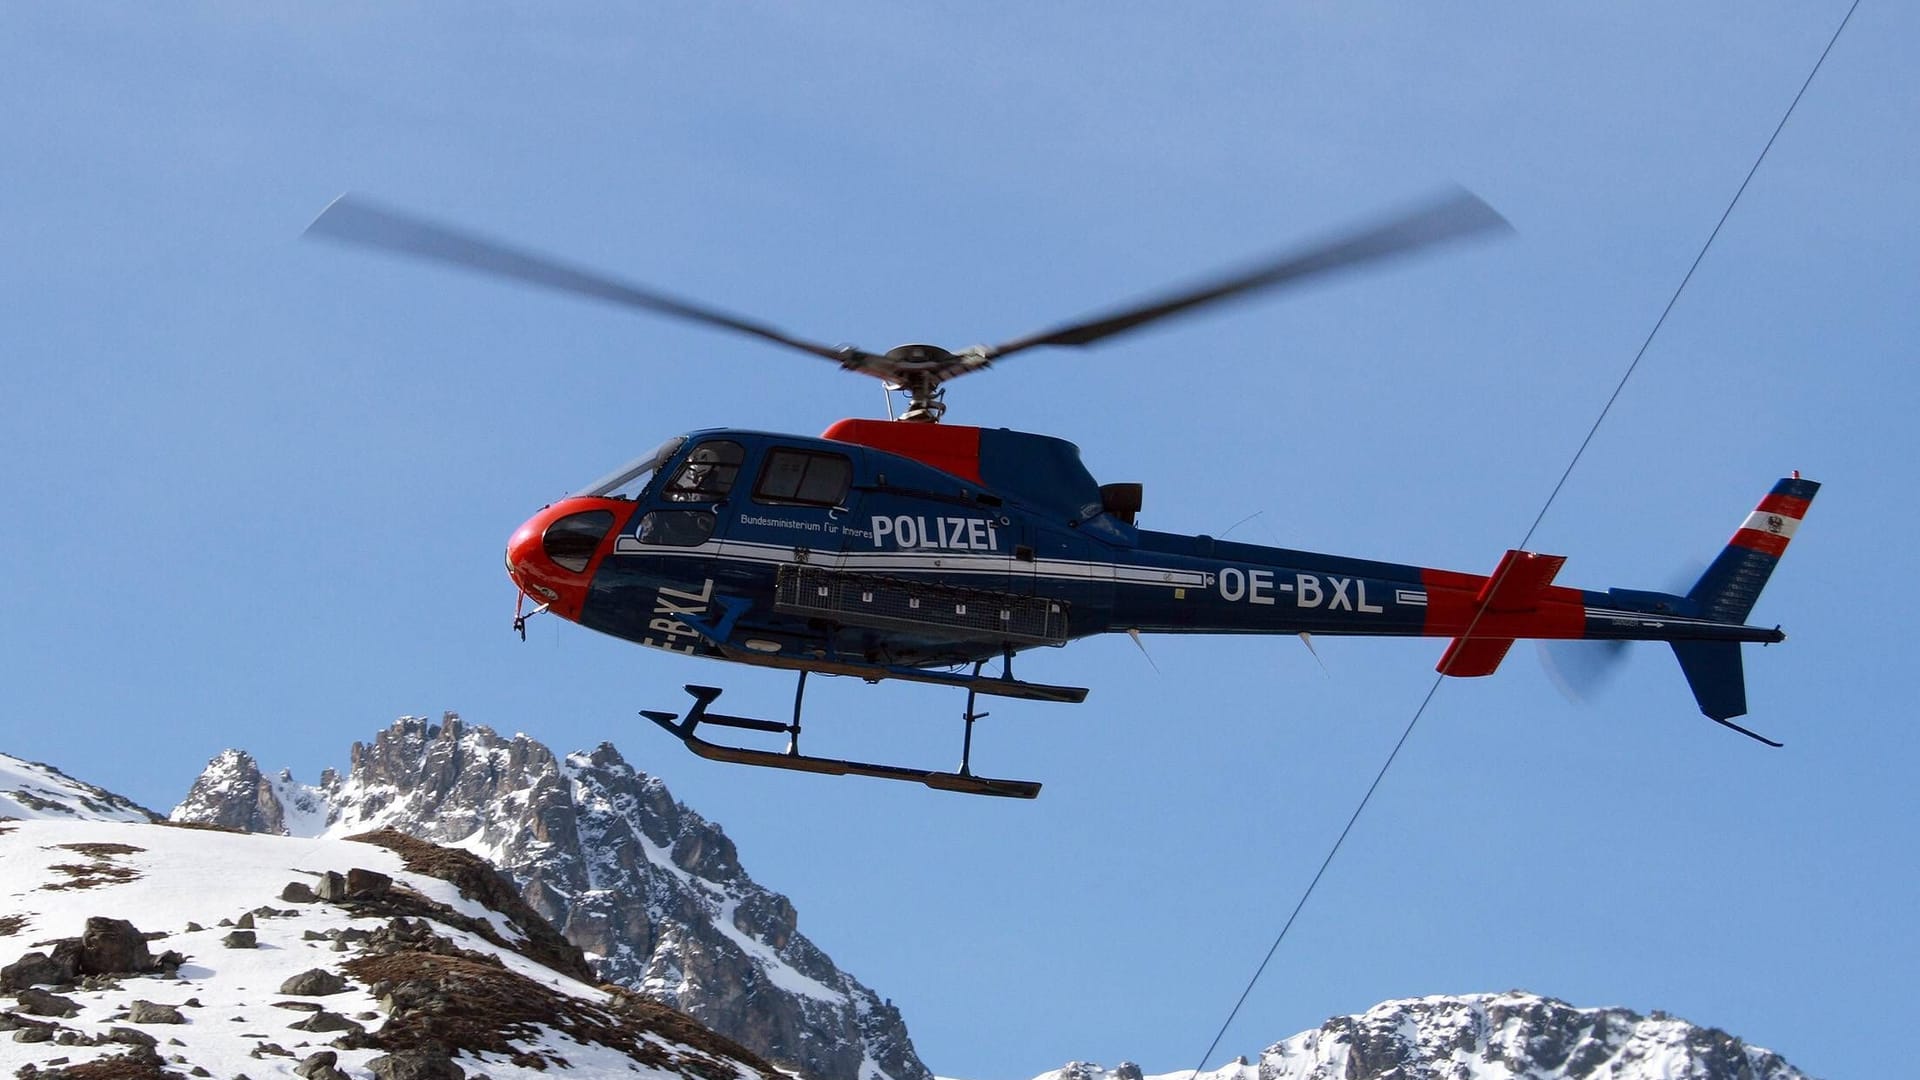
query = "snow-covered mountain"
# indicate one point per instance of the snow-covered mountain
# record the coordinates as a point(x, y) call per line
point(1511, 1036)
point(389, 945)
point(156, 951)
point(654, 893)
point(29, 789)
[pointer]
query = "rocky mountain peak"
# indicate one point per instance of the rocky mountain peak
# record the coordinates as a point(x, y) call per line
point(1523, 1035)
point(1510, 1036)
point(652, 892)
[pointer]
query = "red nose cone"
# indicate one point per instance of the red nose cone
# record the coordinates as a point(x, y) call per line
point(526, 563)
point(552, 557)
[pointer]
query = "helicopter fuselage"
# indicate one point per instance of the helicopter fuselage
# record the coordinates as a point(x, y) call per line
point(881, 546)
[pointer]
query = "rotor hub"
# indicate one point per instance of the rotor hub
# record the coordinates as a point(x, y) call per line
point(910, 357)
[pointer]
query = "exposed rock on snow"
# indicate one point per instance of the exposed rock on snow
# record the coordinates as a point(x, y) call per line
point(651, 891)
point(426, 964)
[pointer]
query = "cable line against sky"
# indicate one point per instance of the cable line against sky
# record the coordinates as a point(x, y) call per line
point(1552, 496)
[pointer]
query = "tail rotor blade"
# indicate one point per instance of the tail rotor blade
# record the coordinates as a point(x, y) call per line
point(1582, 669)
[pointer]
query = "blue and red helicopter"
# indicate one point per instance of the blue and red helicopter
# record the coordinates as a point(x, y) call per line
point(916, 550)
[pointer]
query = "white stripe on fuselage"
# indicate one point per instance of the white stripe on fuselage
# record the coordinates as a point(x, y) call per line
point(949, 562)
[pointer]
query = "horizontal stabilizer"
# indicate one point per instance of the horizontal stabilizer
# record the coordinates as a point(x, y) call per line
point(1467, 658)
point(1519, 581)
point(1516, 586)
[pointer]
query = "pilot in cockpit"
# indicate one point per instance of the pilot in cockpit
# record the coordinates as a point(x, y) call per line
point(707, 475)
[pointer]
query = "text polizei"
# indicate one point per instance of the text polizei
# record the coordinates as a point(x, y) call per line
point(947, 533)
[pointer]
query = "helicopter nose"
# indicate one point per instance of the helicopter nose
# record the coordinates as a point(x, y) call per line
point(550, 558)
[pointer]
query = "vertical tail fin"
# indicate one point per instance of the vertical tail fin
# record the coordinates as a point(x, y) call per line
point(1715, 675)
point(1730, 587)
point(1727, 593)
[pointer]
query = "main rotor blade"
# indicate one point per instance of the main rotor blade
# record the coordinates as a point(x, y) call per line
point(354, 220)
point(1458, 214)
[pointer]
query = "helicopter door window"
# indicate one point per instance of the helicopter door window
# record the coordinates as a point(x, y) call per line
point(803, 478)
point(708, 473)
point(675, 528)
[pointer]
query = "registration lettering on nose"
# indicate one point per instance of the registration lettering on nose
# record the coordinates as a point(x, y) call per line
point(666, 630)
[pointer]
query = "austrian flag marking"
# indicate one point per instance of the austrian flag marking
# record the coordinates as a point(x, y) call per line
point(1772, 524)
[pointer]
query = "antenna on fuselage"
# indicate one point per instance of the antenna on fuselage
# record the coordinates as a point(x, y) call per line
point(1307, 640)
point(1134, 633)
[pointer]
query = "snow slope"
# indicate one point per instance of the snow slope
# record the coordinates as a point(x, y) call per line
point(185, 888)
point(29, 789)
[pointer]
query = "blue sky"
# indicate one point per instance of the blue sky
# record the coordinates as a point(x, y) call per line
point(259, 488)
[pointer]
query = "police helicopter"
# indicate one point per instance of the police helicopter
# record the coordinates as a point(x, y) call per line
point(923, 551)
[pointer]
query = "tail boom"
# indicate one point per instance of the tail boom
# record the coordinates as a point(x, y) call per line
point(1484, 616)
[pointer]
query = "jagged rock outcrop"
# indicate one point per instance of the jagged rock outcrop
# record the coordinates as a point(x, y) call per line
point(232, 793)
point(1511, 1036)
point(650, 890)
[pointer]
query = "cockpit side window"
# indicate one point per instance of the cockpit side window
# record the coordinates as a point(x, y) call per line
point(804, 478)
point(675, 528)
point(708, 473)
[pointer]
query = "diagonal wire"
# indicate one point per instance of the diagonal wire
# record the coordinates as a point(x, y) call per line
point(1578, 453)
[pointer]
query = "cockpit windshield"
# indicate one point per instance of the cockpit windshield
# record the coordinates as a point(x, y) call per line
point(632, 479)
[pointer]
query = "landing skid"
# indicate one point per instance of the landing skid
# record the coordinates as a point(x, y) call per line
point(963, 780)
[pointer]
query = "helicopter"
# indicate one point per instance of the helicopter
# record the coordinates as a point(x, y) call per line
point(917, 550)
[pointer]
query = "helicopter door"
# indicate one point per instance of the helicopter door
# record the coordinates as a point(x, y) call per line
point(684, 513)
point(797, 510)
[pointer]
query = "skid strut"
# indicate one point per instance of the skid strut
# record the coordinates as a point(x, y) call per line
point(963, 781)
point(966, 743)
